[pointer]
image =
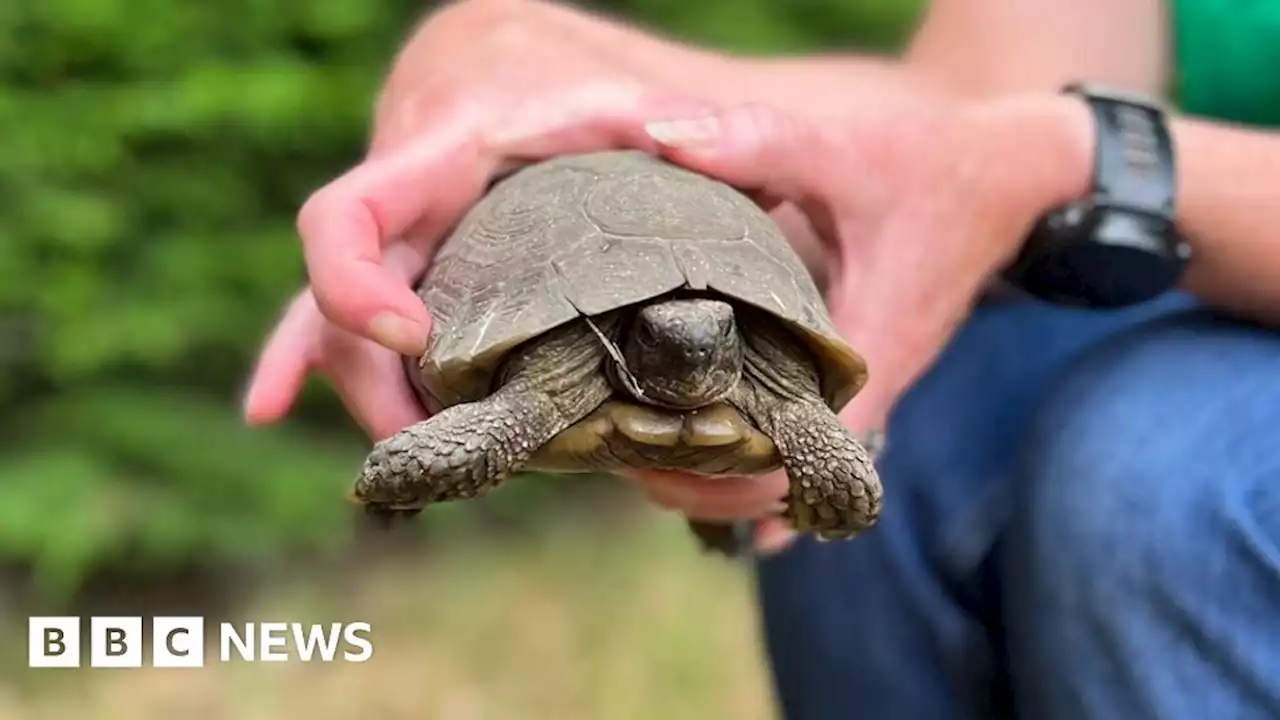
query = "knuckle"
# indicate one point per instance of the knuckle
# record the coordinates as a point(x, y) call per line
point(508, 24)
point(311, 216)
point(476, 11)
point(757, 114)
point(508, 32)
point(326, 304)
point(761, 120)
point(764, 130)
point(777, 131)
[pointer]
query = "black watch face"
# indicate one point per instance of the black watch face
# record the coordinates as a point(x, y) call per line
point(1100, 257)
point(1101, 276)
point(1120, 246)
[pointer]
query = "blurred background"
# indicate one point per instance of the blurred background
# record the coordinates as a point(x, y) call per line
point(153, 154)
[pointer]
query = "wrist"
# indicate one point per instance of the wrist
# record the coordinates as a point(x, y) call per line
point(1039, 155)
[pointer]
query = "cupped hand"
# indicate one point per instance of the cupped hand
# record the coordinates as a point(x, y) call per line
point(920, 209)
point(918, 203)
point(480, 87)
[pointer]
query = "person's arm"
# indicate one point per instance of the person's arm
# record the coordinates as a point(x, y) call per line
point(812, 86)
point(1228, 201)
point(969, 48)
point(982, 48)
point(963, 46)
point(1229, 207)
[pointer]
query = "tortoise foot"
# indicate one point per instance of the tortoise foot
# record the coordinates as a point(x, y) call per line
point(835, 491)
point(728, 540)
point(459, 454)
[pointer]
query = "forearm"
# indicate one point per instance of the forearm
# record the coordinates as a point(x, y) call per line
point(977, 49)
point(965, 48)
point(1229, 207)
point(812, 86)
point(1228, 203)
point(982, 48)
point(962, 47)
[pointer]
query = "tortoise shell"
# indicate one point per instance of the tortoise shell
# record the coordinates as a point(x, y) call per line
point(588, 234)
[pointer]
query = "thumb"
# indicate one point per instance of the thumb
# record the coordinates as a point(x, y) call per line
point(763, 151)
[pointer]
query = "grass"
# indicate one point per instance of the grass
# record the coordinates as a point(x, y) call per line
point(574, 622)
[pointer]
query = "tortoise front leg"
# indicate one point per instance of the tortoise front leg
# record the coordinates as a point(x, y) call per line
point(468, 449)
point(834, 489)
point(734, 540)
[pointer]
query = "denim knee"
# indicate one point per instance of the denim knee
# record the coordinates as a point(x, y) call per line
point(1143, 557)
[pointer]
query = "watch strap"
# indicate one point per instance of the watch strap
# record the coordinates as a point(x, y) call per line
point(1134, 166)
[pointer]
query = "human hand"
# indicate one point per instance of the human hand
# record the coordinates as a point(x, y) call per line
point(481, 86)
point(920, 209)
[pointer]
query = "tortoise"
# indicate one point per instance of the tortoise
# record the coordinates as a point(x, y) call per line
point(610, 311)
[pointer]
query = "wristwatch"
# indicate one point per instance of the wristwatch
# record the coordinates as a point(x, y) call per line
point(1120, 246)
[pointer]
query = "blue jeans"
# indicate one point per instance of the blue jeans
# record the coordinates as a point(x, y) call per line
point(1082, 520)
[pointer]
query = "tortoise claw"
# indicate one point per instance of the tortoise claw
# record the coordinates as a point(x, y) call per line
point(730, 541)
point(384, 517)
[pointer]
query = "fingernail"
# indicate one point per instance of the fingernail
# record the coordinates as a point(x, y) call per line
point(694, 131)
point(398, 333)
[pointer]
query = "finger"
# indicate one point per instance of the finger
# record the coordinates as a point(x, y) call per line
point(592, 117)
point(372, 384)
point(428, 183)
point(727, 510)
point(772, 535)
point(751, 146)
point(714, 498)
point(345, 225)
point(293, 349)
point(767, 152)
point(370, 379)
point(284, 363)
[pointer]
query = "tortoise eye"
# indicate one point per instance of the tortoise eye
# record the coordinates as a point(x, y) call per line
point(645, 334)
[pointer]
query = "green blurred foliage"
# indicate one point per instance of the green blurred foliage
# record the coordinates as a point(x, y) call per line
point(761, 26)
point(152, 156)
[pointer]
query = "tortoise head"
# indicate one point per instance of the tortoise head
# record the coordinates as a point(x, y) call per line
point(685, 352)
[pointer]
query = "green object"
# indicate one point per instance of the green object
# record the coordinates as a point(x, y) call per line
point(1228, 54)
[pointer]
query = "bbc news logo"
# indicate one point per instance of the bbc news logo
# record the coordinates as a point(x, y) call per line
point(179, 642)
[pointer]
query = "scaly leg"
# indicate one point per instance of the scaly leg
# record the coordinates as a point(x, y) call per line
point(835, 490)
point(468, 449)
point(734, 540)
